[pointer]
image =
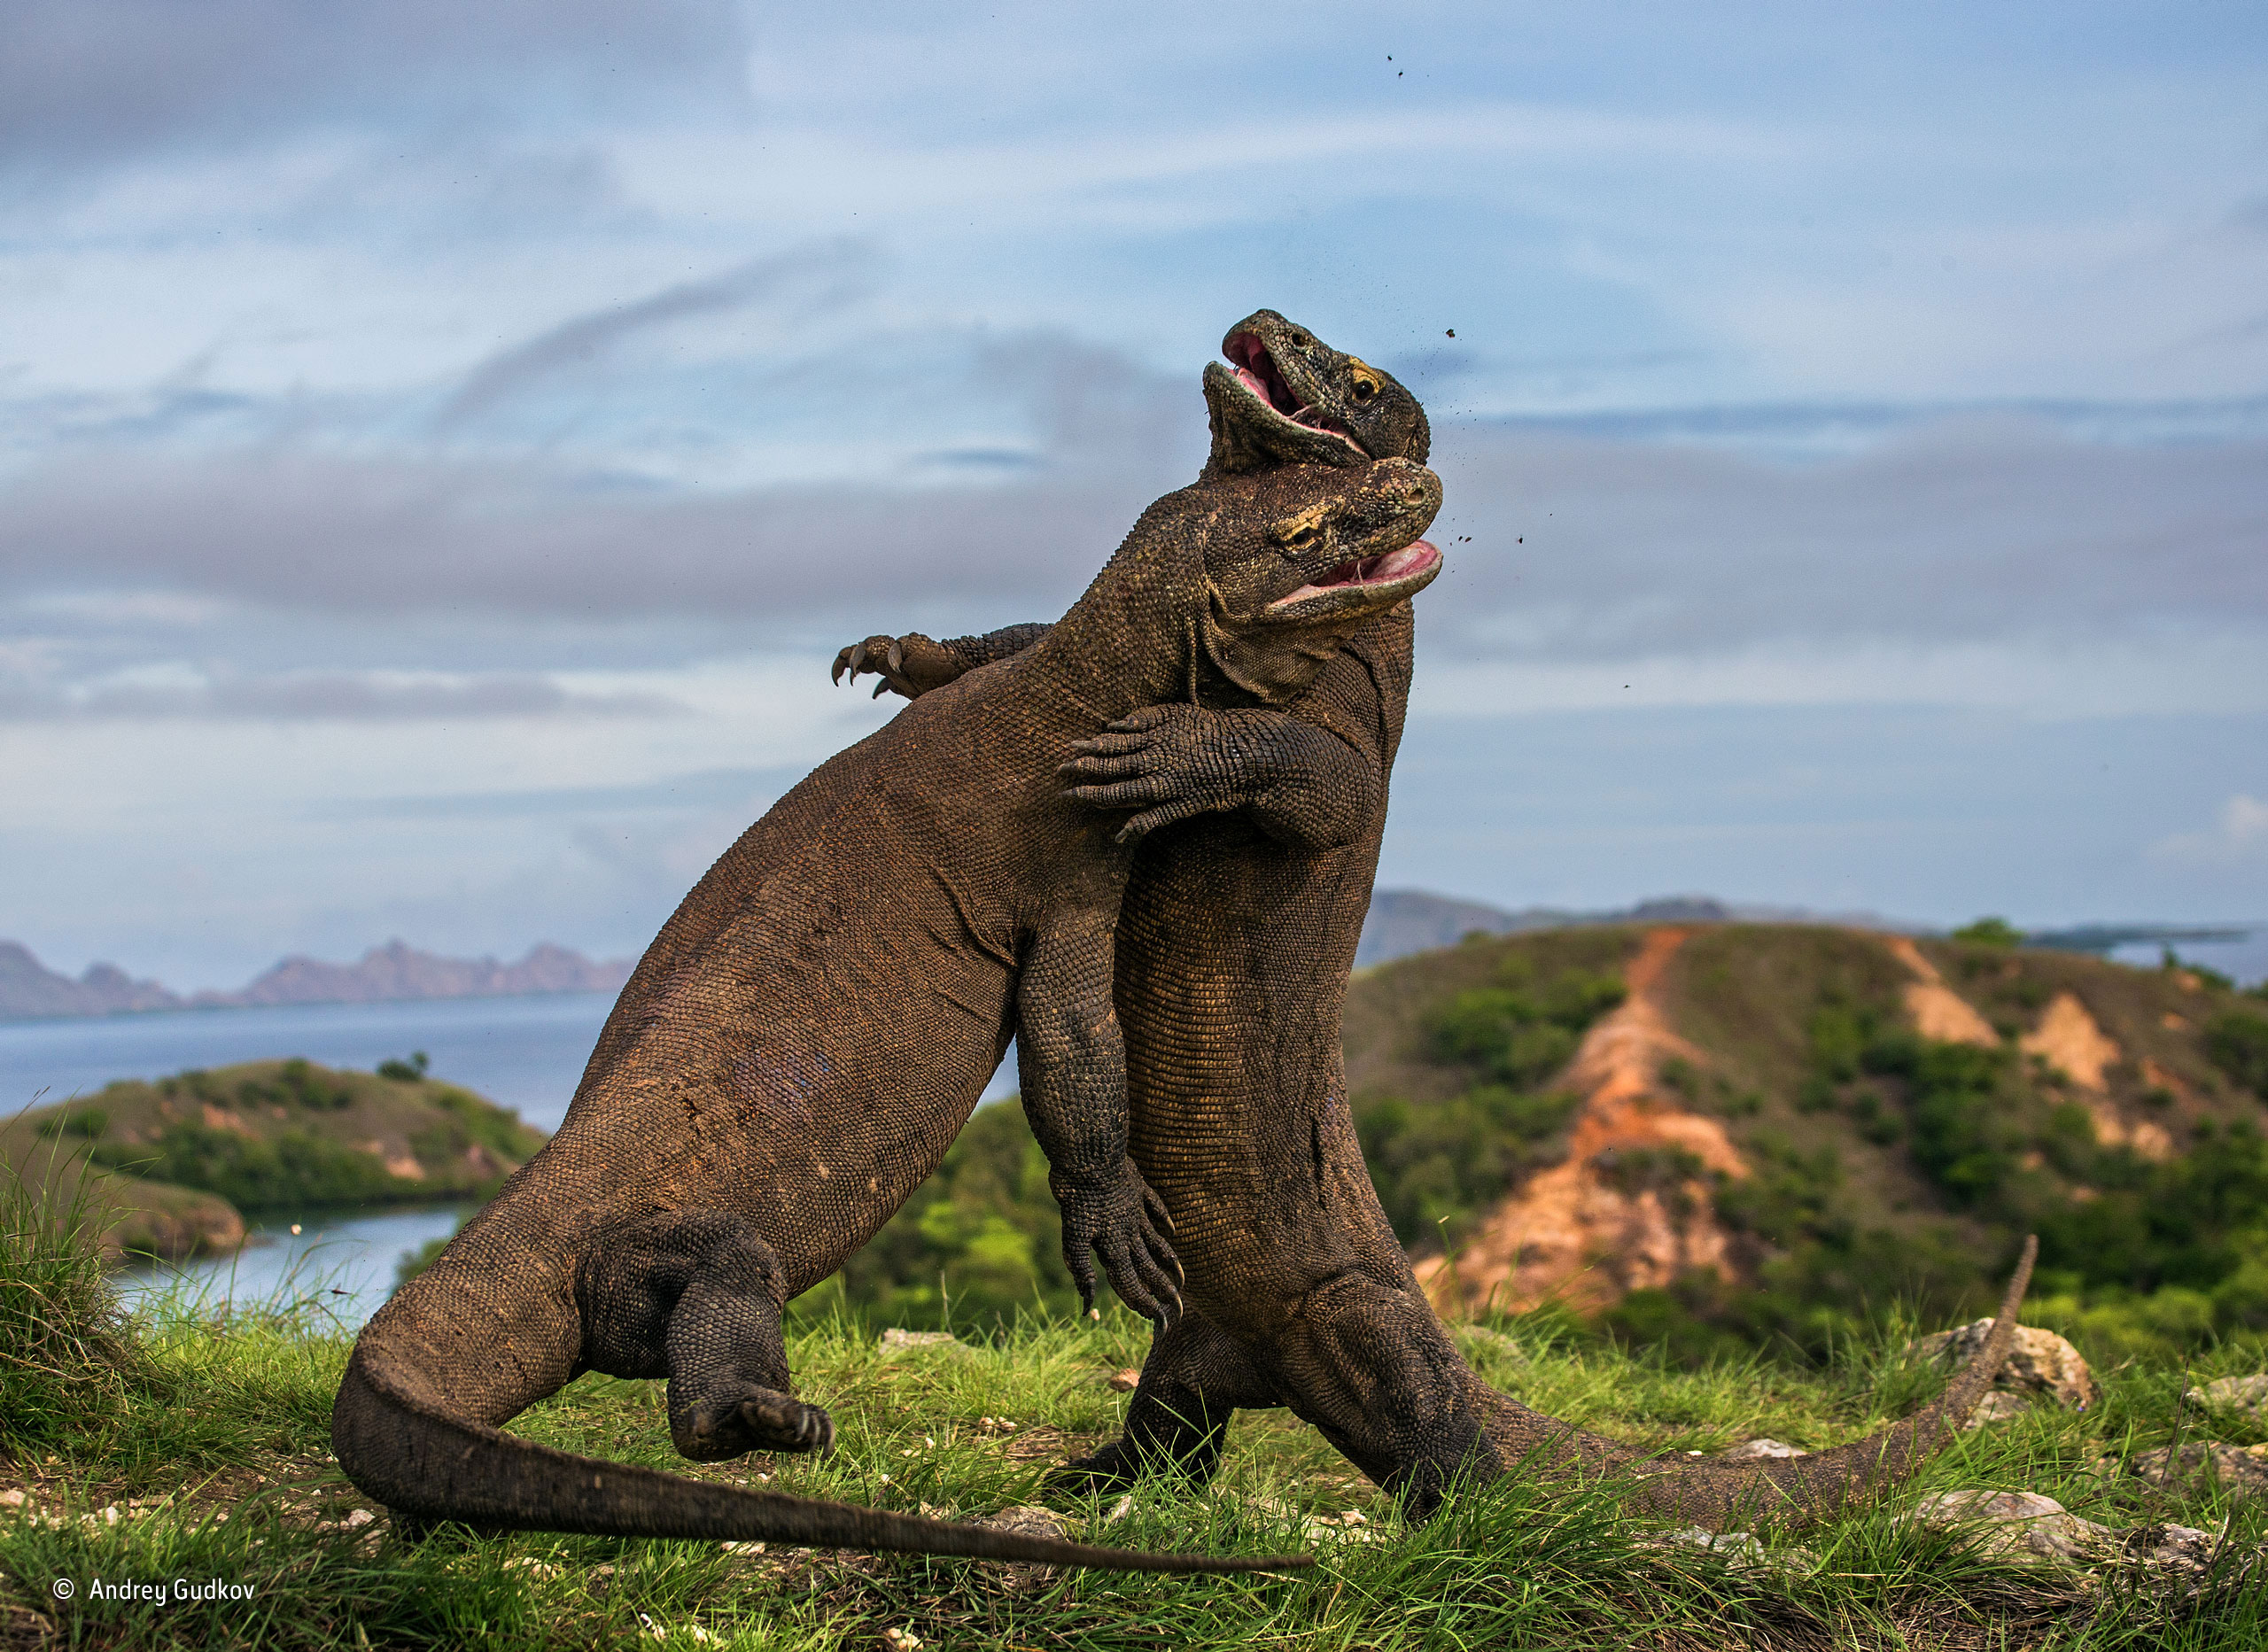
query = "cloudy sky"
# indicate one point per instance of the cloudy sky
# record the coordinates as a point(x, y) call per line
point(441, 446)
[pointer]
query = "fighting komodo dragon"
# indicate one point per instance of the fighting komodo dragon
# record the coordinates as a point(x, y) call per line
point(811, 1029)
point(1234, 948)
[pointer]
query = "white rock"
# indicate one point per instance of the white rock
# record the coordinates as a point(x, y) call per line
point(1742, 1546)
point(2017, 1525)
point(1998, 1406)
point(2234, 1393)
point(1030, 1520)
point(897, 1341)
point(2238, 1468)
point(1764, 1447)
point(2040, 1361)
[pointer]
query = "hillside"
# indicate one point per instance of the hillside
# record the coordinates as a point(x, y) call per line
point(1705, 1136)
point(1781, 1127)
point(393, 972)
point(179, 1159)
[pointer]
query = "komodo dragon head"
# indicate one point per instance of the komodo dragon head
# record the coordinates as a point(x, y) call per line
point(1290, 398)
point(1296, 558)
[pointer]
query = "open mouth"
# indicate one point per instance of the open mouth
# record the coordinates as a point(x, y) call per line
point(1257, 372)
point(1390, 570)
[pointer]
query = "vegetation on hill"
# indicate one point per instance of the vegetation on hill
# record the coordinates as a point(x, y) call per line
point(1884, 1167)
point(1442, 1156)
point(267, 1135)
point(1889, 1164)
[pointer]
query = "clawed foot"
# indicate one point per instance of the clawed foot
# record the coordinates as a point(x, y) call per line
point(910, 665)
point(762, 1421)
point(1125, 1223)
point(1166, 762)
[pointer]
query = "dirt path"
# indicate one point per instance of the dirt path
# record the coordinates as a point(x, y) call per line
point(1570, 1232)
point(1938, 1011)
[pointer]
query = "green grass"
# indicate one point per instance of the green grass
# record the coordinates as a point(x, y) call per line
point(208, 1436)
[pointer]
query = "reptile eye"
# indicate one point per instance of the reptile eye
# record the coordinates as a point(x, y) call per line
point(1300, 541)
point(1365, 389)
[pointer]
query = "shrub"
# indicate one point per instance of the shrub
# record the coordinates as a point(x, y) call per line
point(1989, 932)
point(2237, 1041)
point(1450, 1159)
point(65, 1356)
point(253, 1173)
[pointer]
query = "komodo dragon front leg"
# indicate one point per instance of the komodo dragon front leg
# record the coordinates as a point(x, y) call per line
point(1071, 1066)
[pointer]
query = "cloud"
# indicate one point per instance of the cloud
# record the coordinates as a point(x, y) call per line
point(96, 80)
point(1560, 548)
point(1978, 528)
point(296, 524)
point(809, 279)
point(316, 696)
point(706, 789)
point(2239, 834)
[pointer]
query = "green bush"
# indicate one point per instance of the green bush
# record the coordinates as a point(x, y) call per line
point(1521, 1032)
point(2237, 1041)
point(1450, 1161)
point(253, 1173)
point(1958, 1111)
point(87, 1123)
point(466, 1122)
point(979, 1241)
point(1989, 932)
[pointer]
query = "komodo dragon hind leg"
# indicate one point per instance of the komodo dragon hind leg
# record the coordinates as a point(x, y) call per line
point(695, 1296)
point(1195, 1378)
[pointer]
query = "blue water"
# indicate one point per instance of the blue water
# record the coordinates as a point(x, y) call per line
point(2244, 961)
point(523, 1053)
point(332, 1265)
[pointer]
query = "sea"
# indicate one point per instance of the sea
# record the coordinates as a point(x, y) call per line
point(524, 1053)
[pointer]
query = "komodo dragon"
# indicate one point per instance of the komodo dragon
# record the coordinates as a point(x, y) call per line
point(813, 1026)
point(1234, 948)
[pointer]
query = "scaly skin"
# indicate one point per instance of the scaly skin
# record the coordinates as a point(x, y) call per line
point(811, 1028)
point(1238, 935)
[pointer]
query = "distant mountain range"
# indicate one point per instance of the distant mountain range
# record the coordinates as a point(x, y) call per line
point(1400, 922)
point(391, 974)
point(1403, 921)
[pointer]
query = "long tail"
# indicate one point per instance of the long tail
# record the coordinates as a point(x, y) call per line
point(1794, 1489)
point(410, 1454)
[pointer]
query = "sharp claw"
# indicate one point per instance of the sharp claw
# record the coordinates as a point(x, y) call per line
point(857, 660)
point(836, 675)
point(882, 689)
point(897, 657)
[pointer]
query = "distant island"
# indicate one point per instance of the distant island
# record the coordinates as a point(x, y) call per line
point(394, 973)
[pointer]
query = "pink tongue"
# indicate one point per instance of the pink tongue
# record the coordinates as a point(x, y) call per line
point(1246, 376)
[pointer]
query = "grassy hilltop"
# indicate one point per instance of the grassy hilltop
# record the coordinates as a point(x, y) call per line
point(175, 1447)
point(175, 1161)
